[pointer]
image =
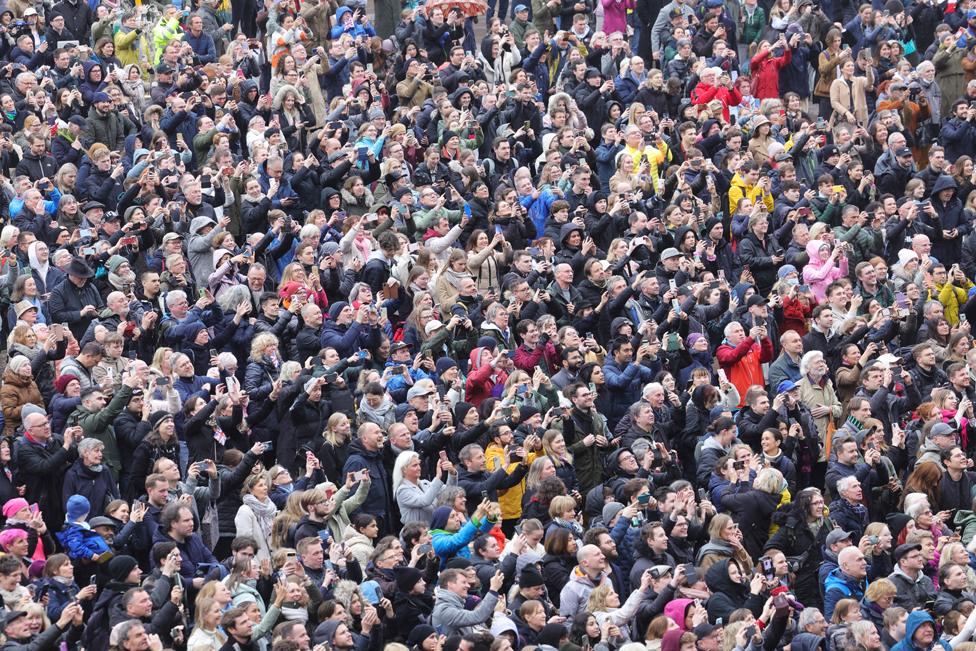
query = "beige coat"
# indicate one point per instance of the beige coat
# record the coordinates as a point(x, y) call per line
point(813, 395)
point(840, 97)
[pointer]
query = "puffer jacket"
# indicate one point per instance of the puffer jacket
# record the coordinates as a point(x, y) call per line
point(379, 501)
point(16, 392)
point(728, 596)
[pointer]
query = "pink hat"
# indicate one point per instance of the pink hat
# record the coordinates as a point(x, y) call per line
point(11, 507)
point(9, 536)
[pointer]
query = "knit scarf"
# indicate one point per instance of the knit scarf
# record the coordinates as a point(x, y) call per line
point(455, 277)
point(264, 511)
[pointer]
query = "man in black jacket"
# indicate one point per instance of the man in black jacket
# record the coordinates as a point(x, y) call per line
point(307, 339)
point(476, 481)
point(77, 301)
point(16, 629)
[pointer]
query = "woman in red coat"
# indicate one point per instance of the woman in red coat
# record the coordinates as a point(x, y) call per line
point(764, 68)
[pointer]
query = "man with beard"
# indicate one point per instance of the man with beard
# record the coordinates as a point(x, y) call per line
point(572, 360)
point(601, 537)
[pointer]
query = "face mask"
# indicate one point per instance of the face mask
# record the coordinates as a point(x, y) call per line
point(792, 281)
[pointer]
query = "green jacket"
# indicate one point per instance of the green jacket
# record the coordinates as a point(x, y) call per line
point(866, 242)
point(98, 425)
point(588, 461)
point(751, 27)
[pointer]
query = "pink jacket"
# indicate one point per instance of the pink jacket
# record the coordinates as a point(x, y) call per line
point(615, 15)
point(818, 274)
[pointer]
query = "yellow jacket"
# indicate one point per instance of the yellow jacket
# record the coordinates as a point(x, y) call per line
point(654, 155)
point(740, 190)
point(952, 297)
point(509, 499)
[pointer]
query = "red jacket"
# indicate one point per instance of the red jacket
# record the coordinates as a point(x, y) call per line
point(480, 383)
point(544, 356)
point(743, 363)
point(765, 73)
point(703, 94)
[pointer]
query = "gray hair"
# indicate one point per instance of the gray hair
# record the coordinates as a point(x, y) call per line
point(174, 297)
point(807, 617)
point(231, 299)
point(808, 359)
point(89, 445)
point(916, 504)
point(846, 483)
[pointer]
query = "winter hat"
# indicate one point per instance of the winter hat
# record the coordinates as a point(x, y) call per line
point(11, 507)
point(610, 510)
point(18, 362)
point(335, 308)
point(458, 563)
point(550, 635)
point(530, 577)
point(120, 567)
point(419, 634)
point(157, 417)
point(61, 384)
point(444, 364)
point(325, 632)
point(905, 256)
point(488, 342)
point(28, 409)
point(115, 262)
point(9, 536)
point(78, 507)
point(694, 337)
point(439, 519)
point(786, 270)
point(526, 412)
point(406, 578)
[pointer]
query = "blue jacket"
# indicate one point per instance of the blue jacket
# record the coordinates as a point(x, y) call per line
point(915, 619)
point(204, 50)
point(449, 545)
point(840, 586)
point(349, 339)
point(379, 500)
point(194, 552)
point(959, 137)
point(80, 542)
point(625, 386)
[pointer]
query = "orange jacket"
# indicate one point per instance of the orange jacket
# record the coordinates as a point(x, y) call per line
point(743, 363)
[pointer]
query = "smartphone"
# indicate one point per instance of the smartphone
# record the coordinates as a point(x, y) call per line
point(213, 352)
point(85, 232)
point(93, 579)
point(837, 189)
point(163, 381)
point(129, 241)
point(362, 354)
point(643, 498)
point(324, 535)
point(767, 567)
point(361, 154)
point(87, 250)
point(201, 293)
point(484, 495)
point(702, 495)
point(804, 211)
point(443, 455)
point(268, 446)
point(426, 548)
point(331, 377)
point(673, 285)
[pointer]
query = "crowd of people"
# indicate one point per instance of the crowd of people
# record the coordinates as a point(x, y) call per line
point(626, 325)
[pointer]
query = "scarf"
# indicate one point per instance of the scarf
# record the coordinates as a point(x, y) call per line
point(35, 264)
point(118, 281)
point(295, 613)
point(454, 278)
point(265, 511)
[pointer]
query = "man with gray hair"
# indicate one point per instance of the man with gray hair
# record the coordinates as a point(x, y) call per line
point(173, 327)
point(91, 478)
point(848, 511)
point(585, 577)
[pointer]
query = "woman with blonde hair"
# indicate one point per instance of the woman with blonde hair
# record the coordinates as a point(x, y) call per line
point(334, 450)
point(556, 451)
point(604, 603)
point(955, 552)
point(288, 516)
point(416, 496)
point(257, 513)
point(263, 366)
point(207, 634)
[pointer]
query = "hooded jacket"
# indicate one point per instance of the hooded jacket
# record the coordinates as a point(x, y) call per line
point(915, 619)
point(728, 596)
point(818, 274)
point(951, 216)
point(573, 596)
point(451, 617)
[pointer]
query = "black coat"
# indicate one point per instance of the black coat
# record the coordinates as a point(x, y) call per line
point(98, 486)
point(66, 303)
point(797, 541)
point(752, 509)
point(759, 257)
point(42, 468)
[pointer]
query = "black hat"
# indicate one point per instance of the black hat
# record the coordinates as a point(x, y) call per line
point(458, 563)
point(120, 567)
point(92, 205)
point(419, 633)
point(164, 69)
point(79, 268)
point(592, 72)
point(10, 617)
point(903, 550)
point(158, 417)
point(530, 577)
point(756, 299)
point(406, 578)
point(78, 121)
